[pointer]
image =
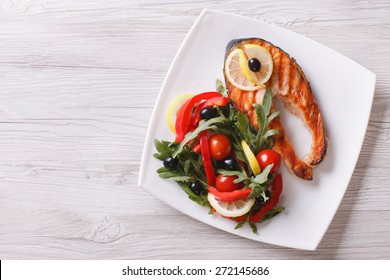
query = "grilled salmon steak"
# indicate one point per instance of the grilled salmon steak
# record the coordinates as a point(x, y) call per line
point(289, 84)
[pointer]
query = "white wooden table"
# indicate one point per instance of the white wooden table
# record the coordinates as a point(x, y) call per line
point(78, 82)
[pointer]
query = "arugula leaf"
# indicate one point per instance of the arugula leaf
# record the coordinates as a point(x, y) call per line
point(267, 101)
point(244, 127)
point(272, 116)
point(257, 190)
point(261, 119)
point(239, 225)
point(220, 87)
point(272, 213)
point(240, 153)
point(166, 173)
point(200, 199)
point(253, 227)
point(260, 183)
point(163, 149)
point(264, 119)
point(263, 176)
point(186, 166)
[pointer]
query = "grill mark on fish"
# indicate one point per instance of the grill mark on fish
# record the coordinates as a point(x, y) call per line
point(274, 86)
point(286, 75)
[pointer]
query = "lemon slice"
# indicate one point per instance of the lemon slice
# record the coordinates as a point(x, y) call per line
point(231, 209)
point(235, 74)
point(251, 158)
point(263, 56)
point(174, 107)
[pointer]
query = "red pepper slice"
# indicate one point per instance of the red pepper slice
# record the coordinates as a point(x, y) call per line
point(208, 166)
point(215, 101)
point(196, 112)
point(238, 219)
point(183, 118)
point(230, 196)
point(180, 116)
point(196, 148)
point(277, 187)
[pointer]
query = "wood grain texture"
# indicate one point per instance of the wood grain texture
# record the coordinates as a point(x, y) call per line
point(78, 82)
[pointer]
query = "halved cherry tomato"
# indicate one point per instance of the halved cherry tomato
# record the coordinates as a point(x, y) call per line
point(230, 196)
point(267, 157)
point(226, 184)
point(220, 146)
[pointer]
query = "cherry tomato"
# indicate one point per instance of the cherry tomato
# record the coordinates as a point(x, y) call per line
point(226, 184)
point(220, 146)
point(266, 157)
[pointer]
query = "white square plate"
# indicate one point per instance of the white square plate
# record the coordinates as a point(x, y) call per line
point(343, 89)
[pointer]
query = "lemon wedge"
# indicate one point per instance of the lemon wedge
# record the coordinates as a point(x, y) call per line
point(173, 108)
point(231, 209)
point(254, 164)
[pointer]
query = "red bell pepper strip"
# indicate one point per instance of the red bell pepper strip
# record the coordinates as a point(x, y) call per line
point(196, 112)
point(208, 166)
point(180, 116)
point(215, 101)
point(277, 187)
point(238, 219)
point(196, 148)
point(196, 144)
point(230, 196)
point(183, 119)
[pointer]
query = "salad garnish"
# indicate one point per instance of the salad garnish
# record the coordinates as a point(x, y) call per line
point(221, 161)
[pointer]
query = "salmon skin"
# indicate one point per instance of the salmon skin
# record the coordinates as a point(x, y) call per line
point(289, 84)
